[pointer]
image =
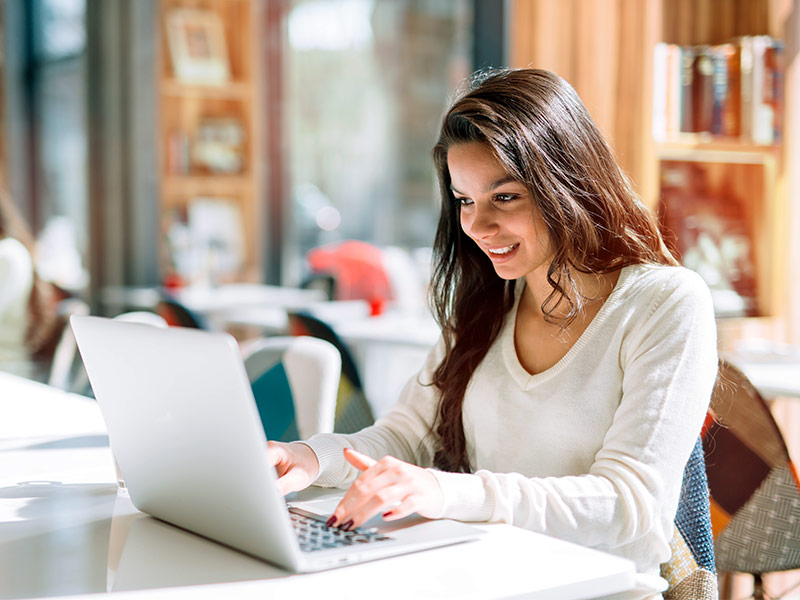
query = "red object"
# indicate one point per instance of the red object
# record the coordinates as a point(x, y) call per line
point(357, 269)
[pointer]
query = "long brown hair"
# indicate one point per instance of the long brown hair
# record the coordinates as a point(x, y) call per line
point(544, 137)
point(41, 312)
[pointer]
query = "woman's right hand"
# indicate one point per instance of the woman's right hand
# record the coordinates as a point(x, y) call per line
point(296, 464)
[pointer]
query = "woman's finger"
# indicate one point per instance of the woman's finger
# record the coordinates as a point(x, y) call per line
point(362, 462)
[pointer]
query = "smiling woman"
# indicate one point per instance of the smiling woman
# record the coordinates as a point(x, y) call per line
point(576, 361)
point(497, 212)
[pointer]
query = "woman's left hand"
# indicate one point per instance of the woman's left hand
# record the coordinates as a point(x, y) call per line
point(389, 486)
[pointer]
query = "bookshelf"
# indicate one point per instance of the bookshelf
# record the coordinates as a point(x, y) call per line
point(606, 50)
point(207, 144)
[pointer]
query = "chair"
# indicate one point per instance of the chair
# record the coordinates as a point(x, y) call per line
point(176, 314)
point(66, 369)
point(754, 487)
point(690, 572)
point(143, 316)
point(353, 412)
point(295, 382)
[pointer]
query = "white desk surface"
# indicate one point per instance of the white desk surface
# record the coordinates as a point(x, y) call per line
point(774, 376)
point(65, 530)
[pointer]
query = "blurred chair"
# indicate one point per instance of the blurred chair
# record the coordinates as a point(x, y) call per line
point(355, 270)
point(177, 314)
point(143, 316)
point(690, 572)
point(754, 487)
point(66, 368)
point(295, 382)
point(353, 412)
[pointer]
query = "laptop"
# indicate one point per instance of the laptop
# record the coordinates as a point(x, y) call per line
point(186, 433)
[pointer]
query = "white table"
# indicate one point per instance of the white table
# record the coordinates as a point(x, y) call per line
point(66, 530)
point(773, 375)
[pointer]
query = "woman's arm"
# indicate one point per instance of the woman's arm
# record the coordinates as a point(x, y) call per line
point(669, 363)
point(403, 433)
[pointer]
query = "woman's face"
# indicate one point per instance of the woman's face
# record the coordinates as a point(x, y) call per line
point(497, 212)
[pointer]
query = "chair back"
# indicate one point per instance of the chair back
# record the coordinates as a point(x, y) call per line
point(144, 317)
point(353, 411)
point(690, 572)
point(295, 382)
point(177, 314)
point(66, 368)
point(755, 491)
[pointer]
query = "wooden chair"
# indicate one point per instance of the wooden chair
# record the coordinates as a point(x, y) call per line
point(754, 487)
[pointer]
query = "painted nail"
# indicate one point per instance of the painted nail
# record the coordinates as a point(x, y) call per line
point(347, 525)
point(330, 521)
point(388, 514)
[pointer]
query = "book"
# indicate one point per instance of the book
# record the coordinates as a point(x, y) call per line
point(702, 92)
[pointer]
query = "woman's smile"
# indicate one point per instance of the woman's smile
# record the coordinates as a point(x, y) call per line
point(497, 211)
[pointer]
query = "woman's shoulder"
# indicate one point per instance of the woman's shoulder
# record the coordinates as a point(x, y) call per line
point(663, 282)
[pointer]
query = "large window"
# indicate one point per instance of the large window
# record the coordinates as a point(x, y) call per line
point(46, 142)
point(366, 85)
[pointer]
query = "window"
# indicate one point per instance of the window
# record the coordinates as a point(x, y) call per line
point(366, 84)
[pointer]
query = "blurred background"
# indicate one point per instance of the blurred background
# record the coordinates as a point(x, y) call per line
point(187, 142)
point(246, 158)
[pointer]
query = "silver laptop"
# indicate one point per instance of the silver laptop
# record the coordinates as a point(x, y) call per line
point(185, 430)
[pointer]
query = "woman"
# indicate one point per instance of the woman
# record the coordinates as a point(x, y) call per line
point(576, 361)
point(26, 314)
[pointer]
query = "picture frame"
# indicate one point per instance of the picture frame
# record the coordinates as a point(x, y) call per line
point(197, 46)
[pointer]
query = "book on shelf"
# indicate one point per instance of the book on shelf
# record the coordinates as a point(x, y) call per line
point(732, 90)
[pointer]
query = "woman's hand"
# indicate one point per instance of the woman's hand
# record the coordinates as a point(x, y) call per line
point(389, 486)
point(296, 464)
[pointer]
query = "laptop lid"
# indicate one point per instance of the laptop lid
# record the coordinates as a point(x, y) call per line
point(185, 430)
point(187, 435)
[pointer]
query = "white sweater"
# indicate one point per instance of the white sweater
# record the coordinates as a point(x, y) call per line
point(591, 450)
point(16, 282)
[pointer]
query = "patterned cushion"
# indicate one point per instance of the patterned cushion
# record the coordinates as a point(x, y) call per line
point(755, 491)
point(690, 571)
point(275, 404)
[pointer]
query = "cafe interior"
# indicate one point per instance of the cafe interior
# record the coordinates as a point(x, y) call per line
point(263, 168)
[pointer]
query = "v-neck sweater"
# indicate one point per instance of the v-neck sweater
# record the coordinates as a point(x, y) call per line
point(591, 450)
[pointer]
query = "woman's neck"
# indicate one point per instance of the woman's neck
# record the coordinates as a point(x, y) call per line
point(593, 289)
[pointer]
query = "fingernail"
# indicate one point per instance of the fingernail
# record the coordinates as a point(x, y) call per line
point(330, 521)
point(388, 514)
point(347, 525)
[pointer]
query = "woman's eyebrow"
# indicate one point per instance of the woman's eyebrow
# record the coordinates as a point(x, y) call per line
point(495, 184)
point(502, 181)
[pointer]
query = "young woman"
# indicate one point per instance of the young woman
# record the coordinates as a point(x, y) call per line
point(26, 315)
point(576, 361)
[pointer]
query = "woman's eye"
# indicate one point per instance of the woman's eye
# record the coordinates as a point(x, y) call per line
point(502, 198)
point(464, 201)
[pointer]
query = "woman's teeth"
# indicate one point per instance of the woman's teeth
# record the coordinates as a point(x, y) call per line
point(501, 251)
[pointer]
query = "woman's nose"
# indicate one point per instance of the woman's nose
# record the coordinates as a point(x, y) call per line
point(482, 222)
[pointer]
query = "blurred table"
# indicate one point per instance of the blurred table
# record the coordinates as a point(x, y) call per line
point(774, 375)
point(234, 303)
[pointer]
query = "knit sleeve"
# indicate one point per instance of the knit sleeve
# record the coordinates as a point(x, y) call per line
point(404, 432)
point(669, 366)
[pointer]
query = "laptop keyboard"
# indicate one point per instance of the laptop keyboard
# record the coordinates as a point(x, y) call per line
point(313, 534)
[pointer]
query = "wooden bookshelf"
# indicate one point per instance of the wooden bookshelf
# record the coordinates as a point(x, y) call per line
point(605, 49)
point(208, 147)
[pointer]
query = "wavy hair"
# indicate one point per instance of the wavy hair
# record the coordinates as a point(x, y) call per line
point(539, 130)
